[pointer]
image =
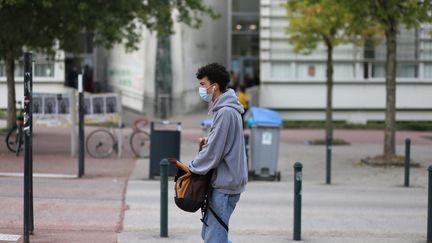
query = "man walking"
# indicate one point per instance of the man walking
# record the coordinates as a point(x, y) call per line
point(223, 151)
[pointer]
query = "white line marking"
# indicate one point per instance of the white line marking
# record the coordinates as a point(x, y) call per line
point(41, 175)
point(6, 237)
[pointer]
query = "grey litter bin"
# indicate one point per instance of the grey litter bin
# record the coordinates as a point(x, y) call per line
point(264, 147)
point(164, 143)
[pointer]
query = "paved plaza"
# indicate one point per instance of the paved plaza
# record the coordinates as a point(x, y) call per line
point(116, 201)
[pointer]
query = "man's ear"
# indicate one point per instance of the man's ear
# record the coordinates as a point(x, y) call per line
point(216, 86)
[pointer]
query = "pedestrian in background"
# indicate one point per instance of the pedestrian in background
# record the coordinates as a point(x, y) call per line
point(244, 101)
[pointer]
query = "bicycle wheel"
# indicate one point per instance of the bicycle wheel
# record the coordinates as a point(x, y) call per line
point(100, 143)
point(140, 124)
point(140, 144)
point(19, 141)
point(13, 139)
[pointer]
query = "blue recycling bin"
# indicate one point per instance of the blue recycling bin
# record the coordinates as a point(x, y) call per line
point(265, 138)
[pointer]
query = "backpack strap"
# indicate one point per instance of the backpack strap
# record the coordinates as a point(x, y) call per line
point(204, 212)
point(219, 219)
point(206, 207)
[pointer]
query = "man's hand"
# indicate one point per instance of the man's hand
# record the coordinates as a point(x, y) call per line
point(202, 141)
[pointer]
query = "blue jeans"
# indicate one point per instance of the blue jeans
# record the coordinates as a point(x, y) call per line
point(223, 205)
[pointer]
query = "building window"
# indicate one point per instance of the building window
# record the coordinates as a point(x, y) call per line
point(343, 71)
point(43, 70)
point(427, 73)
point(247, 6)
point(245, 23)
point(311, 71)
point(245, 45)
point(245, 41)
point(40, 69)
point(19, 69)
point(406, 56)
point(281, 70)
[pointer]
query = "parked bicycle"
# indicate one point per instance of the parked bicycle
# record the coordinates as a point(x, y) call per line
point(15, 137)
point(101, 143)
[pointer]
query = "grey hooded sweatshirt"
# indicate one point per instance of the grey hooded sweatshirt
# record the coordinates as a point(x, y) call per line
point(225, 151)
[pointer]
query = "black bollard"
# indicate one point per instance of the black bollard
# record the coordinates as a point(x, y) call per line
point(28, 158)
point(297, 200)
point(164, 198)
point(407, 160)
point(329, 142)
point(429, 215)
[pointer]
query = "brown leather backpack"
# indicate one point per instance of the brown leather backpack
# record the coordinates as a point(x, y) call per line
point(190, 189)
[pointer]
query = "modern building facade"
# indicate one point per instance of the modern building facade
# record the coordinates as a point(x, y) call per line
point(295, 84)
point(250, 38)
point(160, 78)
point(243, 37)
point(157, 79)
point(48, 76)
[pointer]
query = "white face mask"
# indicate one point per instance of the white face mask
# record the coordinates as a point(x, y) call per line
point(204, 95)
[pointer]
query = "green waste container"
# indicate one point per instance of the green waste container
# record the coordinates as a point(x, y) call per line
point(164, 143)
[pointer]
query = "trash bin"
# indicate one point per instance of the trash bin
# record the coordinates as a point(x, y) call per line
point(164, 143)
point(264, 149)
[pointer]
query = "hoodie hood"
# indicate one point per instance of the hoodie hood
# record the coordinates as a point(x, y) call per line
point(228, 98)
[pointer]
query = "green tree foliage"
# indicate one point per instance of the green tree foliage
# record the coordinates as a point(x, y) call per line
point(324, 21)
point(390, 16)
point(41, 25)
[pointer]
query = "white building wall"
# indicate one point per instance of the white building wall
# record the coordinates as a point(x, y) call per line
point(133, 73)
point(43, 84)
point(193, 48)
point(287, 86)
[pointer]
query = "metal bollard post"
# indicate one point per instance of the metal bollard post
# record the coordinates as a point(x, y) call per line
point(297, 200)
point(407, 160)
point(28, 158)
point(329, 142)
point(164, 198)
point(429, 215)
point(81, 162)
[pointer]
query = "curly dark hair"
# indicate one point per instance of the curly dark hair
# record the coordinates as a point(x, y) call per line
point(215, 73)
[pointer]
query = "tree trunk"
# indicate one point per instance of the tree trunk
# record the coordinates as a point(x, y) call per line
point(390, 114)
point(329, 105)
point(10, 77)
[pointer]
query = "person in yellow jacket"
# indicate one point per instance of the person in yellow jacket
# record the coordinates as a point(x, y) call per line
point(244, 100)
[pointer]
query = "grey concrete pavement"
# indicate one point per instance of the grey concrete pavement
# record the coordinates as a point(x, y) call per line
point(363, 204)
point(337, 213)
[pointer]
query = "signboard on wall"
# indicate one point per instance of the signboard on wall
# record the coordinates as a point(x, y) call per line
point(102, 108)
point(52, 109)
point(55, 109)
